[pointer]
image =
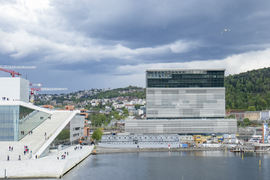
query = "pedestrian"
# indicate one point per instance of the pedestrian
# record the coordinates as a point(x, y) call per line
point(24, 152)
point(36, 156)
point(19, 157)
point(8, 157)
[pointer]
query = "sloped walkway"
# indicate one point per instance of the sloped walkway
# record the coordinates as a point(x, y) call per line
point(37, 142)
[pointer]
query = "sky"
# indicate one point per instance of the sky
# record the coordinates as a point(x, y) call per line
point(84, 44)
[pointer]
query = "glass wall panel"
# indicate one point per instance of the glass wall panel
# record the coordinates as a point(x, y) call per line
point(188, 78)
point(9, 115)
point(17, 121)
point(29, 120)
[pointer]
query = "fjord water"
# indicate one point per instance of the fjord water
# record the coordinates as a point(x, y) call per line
point(173, 165)
point(200, 165)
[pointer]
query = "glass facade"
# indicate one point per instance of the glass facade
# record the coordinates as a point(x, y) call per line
point(9, 116)
point(190, 103)
point(184, 78)
point(17, 121)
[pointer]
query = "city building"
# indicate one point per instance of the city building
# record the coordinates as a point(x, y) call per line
point(265, 115)
point(22, 123)
point(77, 128)
point(253, 115)
point(184, 102)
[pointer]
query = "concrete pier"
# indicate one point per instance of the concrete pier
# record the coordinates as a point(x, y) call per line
point(51, 166)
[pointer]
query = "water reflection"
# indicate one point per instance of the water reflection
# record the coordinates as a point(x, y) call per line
point(197, 165)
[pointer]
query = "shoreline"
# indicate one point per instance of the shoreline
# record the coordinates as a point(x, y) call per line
point(113, 150)
point(107, 150)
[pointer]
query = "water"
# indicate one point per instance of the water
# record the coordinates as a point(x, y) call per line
point(173, 165)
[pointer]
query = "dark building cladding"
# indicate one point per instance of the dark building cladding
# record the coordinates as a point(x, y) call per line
point(184, 78)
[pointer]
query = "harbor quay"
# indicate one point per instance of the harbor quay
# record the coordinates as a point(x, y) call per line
point(54, 165)
point(124, 142)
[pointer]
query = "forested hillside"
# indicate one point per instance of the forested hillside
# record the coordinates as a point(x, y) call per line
point(245, 91)
point(249, 90)
point(130, 91)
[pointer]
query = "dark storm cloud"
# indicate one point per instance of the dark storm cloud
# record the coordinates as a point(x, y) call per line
point(152, 23)
point(103, 37)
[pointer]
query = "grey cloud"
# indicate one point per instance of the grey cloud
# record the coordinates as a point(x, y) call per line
point(99, 36)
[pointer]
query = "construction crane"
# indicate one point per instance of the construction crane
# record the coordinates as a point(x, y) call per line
point(12, 73)
point(6, 68)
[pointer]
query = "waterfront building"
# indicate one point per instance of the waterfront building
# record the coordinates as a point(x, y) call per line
point(77, 128)
point(22, 123)
point(184, 101)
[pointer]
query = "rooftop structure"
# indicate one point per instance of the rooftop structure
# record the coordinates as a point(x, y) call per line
point(14, 89)
point(184, 78)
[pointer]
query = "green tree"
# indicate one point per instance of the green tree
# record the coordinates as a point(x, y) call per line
point(125, 111)
point(116, 115)
point(97, 134)
point(246, 122)
point(251, 108)
point(98, 119)
point(137, 106)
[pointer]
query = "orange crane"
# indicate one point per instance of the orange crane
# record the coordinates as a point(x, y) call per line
point(12, 73)
point(7, 68)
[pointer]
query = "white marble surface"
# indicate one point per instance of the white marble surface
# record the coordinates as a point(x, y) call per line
point(48, 166)
point(36, 141)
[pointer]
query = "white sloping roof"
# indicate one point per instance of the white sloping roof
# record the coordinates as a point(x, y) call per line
point(25, 104)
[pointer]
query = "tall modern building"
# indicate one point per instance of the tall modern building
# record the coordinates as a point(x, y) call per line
point(184, 101)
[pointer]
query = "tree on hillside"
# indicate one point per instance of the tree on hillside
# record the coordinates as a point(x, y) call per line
point(99, 119)
point(251, 108)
